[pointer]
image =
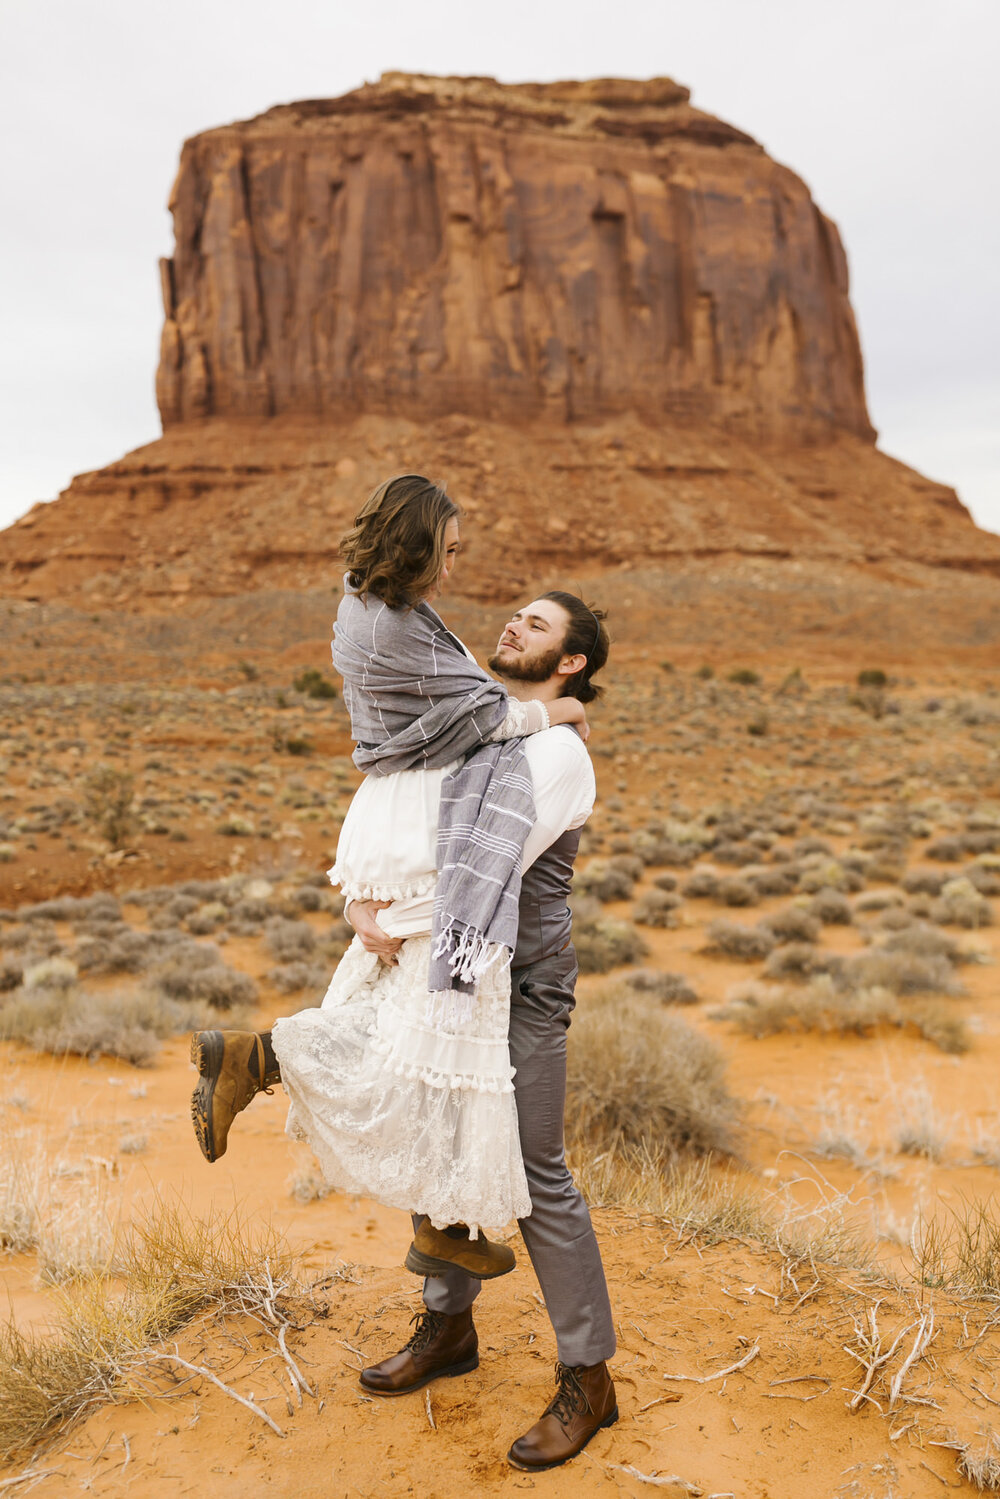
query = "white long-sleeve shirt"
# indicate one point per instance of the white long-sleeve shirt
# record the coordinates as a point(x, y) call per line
point(564, 790)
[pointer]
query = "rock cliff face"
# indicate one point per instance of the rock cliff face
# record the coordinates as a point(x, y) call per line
point(430, 245)
point(612, 325)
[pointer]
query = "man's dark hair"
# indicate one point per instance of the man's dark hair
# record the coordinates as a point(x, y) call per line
point(586, 635)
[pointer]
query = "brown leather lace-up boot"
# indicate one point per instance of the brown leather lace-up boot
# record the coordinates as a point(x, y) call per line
point(441, 1346)
point(234, 1066)
point(584, 1403)
point(435, 1251)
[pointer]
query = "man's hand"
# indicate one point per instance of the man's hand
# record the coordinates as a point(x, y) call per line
point(360, 914)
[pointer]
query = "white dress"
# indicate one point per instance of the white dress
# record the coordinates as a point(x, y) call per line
point(401, 1101)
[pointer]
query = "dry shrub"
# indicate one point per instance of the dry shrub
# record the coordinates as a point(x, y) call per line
point(76, 909)
point(792, 924)
point(292, 978)
point(920, 939)
point(920, 1131)
point(109, 803)
point(735, 890)
point(638, 1074)
point(702, 884)
point(983, 878)
point(900, 972)
point(923, 881)
point(608, 879)
point(694, 1198)
point(735, 852)
point(21, 1177)
point(780, 881)
point(827, 875)
point(980, 1463)
point(960, 904)
point(878, 900)
point(800, 960)
point(310, 898)
point(168, 1267)
point(307, 1185)
point(895, 919)
point(668, 988)
point(960, 1251)
point(831, 907)
point(600, 942)
point(35, 939)
point(947, 850)
point(939, 1024)
point(767, 1010)
point(731, 939)
point(289, 941)
point(656, 908)
point(11, 974)
point(198, 976)
point(74, 1022)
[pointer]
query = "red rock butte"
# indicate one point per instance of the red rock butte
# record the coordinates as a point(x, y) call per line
point(615, 328)
point(573, 250)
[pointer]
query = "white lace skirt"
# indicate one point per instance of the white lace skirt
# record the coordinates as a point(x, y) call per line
point(399, 1108)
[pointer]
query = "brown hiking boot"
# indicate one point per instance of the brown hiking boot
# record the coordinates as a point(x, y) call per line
point(232, 1068)
point(441, 1347)
point(584, 1403)
point(435, 1251)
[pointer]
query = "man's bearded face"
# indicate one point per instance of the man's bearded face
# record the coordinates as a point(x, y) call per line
point(525, 665)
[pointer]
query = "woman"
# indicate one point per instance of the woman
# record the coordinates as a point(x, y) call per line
point(401, 1080)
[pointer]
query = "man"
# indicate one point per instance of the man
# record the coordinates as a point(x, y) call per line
point(539, 656)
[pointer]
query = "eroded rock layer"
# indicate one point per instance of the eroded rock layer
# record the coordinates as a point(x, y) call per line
point(225, 507)
point(429, 245)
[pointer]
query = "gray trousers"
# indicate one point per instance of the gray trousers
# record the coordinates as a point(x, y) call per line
point(558, 1234)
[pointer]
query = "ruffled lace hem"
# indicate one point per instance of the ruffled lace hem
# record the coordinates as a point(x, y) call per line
point(463, 1081)
point(397, 1107)
point(383, 889)
point(442, 1206)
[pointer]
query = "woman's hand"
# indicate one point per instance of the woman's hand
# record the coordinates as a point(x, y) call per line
point(360, 914)
point(571, 711)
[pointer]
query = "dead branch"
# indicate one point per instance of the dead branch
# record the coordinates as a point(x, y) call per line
point(803, 1379)
point(670, 1398)
point(924, 1338)
point(226, 1389)
point(720, 1373)
point(659, 1480)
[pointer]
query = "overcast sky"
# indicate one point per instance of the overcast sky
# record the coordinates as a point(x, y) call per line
point(887, 109)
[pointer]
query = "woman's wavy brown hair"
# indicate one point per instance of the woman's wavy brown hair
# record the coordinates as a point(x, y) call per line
point(395, 548)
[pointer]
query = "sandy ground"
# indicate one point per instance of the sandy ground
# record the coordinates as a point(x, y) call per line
point(778, 1427)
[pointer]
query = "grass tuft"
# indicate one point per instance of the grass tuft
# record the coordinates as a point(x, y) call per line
point(169, 1267)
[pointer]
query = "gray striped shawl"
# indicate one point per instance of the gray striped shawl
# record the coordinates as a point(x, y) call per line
point(416, 699)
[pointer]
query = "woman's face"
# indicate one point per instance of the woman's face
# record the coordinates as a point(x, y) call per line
point(452, 547)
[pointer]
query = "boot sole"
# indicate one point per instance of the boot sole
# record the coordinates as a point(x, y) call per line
point(429, 1265)
point(207, 1050)
point(609, 1420)
point(449, 1373)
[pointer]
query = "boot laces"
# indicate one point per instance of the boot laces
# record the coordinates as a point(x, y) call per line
point(264, 1085)
point(570, 1398)
point(428, 1326)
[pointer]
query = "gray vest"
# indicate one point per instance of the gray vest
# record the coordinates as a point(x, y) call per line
point(544, 923)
